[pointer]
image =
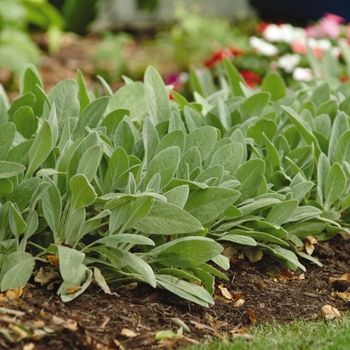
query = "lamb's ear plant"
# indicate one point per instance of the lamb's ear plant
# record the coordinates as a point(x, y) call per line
point(143, 188)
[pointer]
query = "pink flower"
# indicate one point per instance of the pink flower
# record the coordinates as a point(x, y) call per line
point(299, 46)
point(329, 26)
point(334, 18)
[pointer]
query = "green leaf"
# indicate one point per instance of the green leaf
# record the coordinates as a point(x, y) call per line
point(52, 206)
point(26, 123)
point(91, 116)
point(335, 185)
point(6, 187)
point(16, 270)
point(64, 95)
point(185, 290)
point(82, 192)
point(342, 150)
point(117, 165)
point(28, 100)
point(10, 169)
point(238, 239)
point(7, 136)
point(150, 140)
point(112, 120)
point(157, 99)
point(340, 125)
point(124, 136)
point(250, 174)
point(89, 162)
point(136, 266)
point(72, 226)
point(83, 95)
point(203, 138)
point(30, 80)
point(70, 261)
point(40, 149)
point(187, 252)
point(256, 235)
point(82, 278)
point(178, 195)
point(284, 255)
point(168, 219)
point(17, 223)
point(274, 84)
point(173, 138)
point(230, 156)
point(261, 127)
point(131, 97)
point(234, 78)
point(115, 240)
point(207, 204)
point(301, 189)
point(321, 94)
point(254, 105)
point(281, 212)
point(165, 163)
point(258, 204)
point(303, 129)
point(305, 212)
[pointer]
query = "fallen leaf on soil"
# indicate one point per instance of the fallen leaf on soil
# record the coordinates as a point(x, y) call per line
point(72, 290)
point(98, 279)
point(230, 252)
point(46, 275)
point(30, 346)
point(238, 303)
point(53, 260)
point(19, 331)
point(253, 254)
point(225, 292)
point(14, 293)
point(199, 325)
point(341, 284)
point(251, 316)
point(329, 313)
point(310, 243)
point(259, 284)
point(128, 333)
point(69, 324)
point(344, 295)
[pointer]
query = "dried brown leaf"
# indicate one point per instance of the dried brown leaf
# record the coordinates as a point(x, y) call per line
point(128, 333)
point(53, 260)
point(251, 316)
point(12, 294)
point(329, 313)
point(344, 295)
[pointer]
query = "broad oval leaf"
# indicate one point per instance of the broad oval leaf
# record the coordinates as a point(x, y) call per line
point(10, 169)
point(82, 192)
point(203, 138)
point(335, 184)
point(187, 252)
point(168, 219)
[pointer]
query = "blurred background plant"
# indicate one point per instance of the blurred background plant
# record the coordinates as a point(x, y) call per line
point(17, 19)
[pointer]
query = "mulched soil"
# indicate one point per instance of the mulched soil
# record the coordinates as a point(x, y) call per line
point(255, 294)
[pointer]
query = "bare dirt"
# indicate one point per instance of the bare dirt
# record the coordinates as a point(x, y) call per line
point(255, 294)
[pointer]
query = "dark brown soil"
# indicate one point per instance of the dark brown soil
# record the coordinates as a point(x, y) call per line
point(261, 292)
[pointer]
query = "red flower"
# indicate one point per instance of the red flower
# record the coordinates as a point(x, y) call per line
point(250, 78)
point(236, 51)
point(262, 26)
point(217, 57)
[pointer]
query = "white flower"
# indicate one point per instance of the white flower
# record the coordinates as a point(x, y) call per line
point(302, 74)
point(263, 47)
point(288, 62)
point(283, 33)
point(321, 44)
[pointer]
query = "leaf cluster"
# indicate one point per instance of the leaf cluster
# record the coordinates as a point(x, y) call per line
point(144, 188)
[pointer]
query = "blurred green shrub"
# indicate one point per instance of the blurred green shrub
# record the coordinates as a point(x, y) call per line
point(16, 18)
